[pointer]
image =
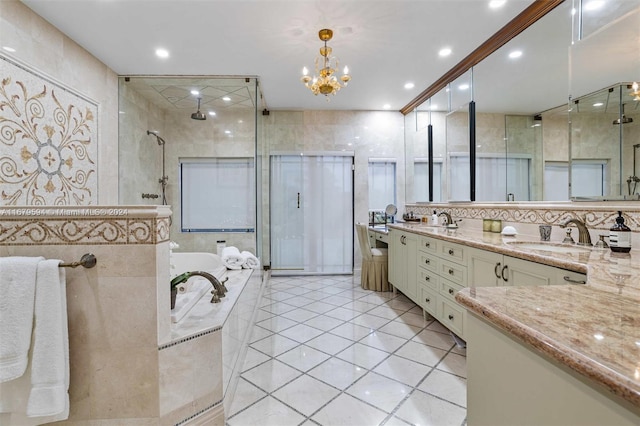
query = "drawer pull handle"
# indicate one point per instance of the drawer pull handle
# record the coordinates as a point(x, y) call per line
point(495, 270)
point(427, 261)
point(451, 317)
point(505, 278)
point(427, 278)
point(427, 245)
point(427, 300)
point(450, 291)
point(451, 252)
point(450, 271)
point(572, 281)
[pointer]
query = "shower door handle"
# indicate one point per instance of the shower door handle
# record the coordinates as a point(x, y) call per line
point(298, 200)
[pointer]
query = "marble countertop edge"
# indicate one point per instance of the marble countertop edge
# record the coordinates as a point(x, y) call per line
point(603, 376)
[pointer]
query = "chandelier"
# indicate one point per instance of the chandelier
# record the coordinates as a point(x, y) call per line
point(324, 81)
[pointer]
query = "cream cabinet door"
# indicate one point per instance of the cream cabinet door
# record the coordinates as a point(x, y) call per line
point(403, 259)
point(520, 272)
point(484, 268)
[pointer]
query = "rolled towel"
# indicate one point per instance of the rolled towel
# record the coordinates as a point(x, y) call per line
point(250, 261)
point(231, 258)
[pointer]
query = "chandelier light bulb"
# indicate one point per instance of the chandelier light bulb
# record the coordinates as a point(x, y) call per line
point(305, 71)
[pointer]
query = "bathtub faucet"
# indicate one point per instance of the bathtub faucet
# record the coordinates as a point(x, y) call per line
point(219, 288)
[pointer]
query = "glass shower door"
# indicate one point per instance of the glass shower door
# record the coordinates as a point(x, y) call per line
point(311, 204)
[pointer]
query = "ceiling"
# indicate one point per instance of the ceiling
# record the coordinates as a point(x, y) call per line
point(385, 43)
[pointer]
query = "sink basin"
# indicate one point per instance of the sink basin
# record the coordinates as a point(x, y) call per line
point(553, 247)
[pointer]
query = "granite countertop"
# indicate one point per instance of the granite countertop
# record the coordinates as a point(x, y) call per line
point(594, 329)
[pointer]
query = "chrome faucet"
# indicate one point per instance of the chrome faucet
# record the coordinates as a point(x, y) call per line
point(219, 288)
point(584, 239)
point(447, 217)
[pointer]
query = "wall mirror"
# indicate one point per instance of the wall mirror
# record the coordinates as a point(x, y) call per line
point(605, 105)
point(522, 115)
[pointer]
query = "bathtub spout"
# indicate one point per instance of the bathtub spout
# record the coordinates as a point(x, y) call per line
point(219, 288)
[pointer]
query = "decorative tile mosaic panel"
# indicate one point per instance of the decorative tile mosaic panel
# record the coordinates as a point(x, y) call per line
point(48, 141)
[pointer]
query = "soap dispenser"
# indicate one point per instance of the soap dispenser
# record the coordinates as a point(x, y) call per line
point(434, 218)
point(620, 236)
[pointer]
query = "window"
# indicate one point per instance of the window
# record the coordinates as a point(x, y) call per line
point(496, 177)
point(556, 181)
point(421, 179)
point(588, 178)
point(382, 183)
point(217, 195)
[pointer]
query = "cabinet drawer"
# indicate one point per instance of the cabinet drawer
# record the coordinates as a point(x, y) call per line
point(454, 252)
point(382, 237)
point(429, 245)
point(428, 278)
point(449, 289)
point(428, 300)
point(428, 261)
point(452, 316)
point(453, 272)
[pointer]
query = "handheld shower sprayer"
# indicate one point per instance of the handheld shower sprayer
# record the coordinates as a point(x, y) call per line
point(164, 179)
point(158, 138)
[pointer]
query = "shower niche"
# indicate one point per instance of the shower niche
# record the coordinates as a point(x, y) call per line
point(605, 144)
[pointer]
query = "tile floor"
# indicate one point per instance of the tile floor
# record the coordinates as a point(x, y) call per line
point(326, 352)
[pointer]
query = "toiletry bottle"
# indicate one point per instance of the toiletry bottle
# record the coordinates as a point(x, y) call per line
point(434, 218)
point(620, 236)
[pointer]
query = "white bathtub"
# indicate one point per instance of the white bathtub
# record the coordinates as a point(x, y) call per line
point(196, 261)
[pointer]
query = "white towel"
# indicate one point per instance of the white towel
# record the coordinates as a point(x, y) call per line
point(250, 261)
point(41, 395)
point(231, 258)
point(50, 363)
point(17, 298)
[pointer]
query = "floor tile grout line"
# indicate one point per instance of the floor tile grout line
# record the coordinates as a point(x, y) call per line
point(380, 303)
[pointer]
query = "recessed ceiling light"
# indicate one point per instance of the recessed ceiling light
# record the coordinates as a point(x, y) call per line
point(494, 4)
point(515, 54)
point(594, 5)
point(212, 113)
point(195, 92)
point(226, 98)
point(598, 104)
point(444, 51)
point(463, 86)
point(409, 85)
point(162, 53)
point(386, 106)
point(8, 49)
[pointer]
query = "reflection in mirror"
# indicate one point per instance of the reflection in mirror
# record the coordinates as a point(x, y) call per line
point(605, 138)
point(432, 112)
point(513, 87)
point(605, 65)
point(458, 154)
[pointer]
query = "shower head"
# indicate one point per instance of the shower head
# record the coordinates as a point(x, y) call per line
point(198, 115)
point(623, 119)
point(158, 138)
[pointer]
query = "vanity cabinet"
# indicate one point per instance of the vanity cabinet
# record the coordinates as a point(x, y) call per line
point(403, 271)
point(492, 269)
point(431, 271)
point(442, 272)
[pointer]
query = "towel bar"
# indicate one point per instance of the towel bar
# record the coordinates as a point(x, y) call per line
point(87, 260)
